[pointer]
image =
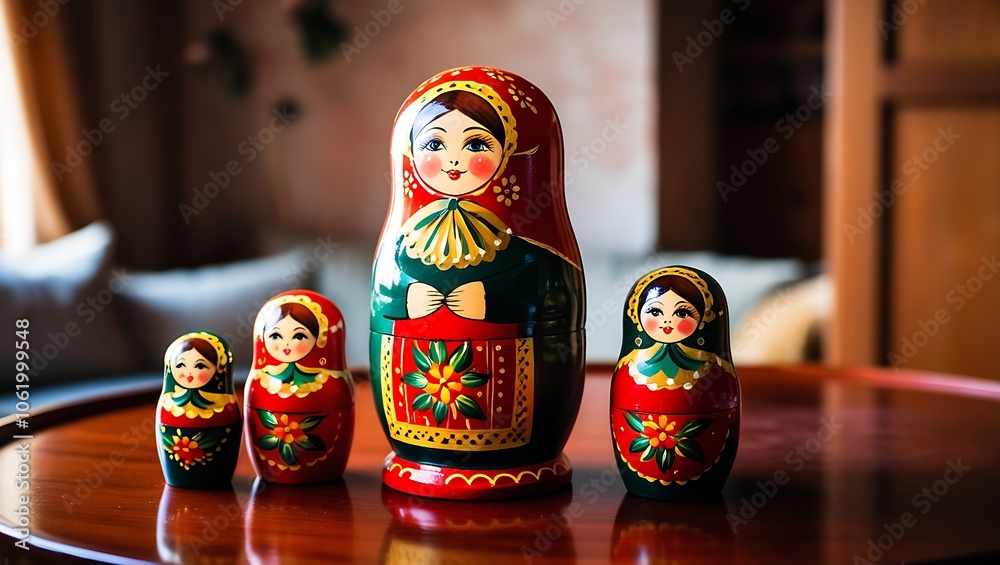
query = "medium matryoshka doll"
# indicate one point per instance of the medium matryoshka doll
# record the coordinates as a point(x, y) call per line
point(675, 412)
point(477, 343)
point(299, 395)
point(197, 416)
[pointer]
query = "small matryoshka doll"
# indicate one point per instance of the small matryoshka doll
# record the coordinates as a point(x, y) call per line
point(675, 398)
point(477, 341)
point(197, 416)
point(299, 394)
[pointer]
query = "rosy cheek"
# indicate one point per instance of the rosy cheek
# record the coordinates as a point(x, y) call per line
point(303, 348)
point(482, 166)
point(429, 165)
point(650, 325)
point(686, 326)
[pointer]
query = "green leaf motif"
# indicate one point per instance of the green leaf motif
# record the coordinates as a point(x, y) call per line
point(664, 458)
point(415, 379)
point(440, 411)
point(420, 358)
point(639, 444)
point(461, 359)
point(311, 443)
point(475, 380)
point(689, 448)
point(268, 442)
point(267, 419)
point(648, 454)
point(438, 352)
point(423, 401)
point(168, 441)
point(208, 441)
point(633, 422)
point(288, 453)
point(469, 408)
point(694, 428)
point(310, 422)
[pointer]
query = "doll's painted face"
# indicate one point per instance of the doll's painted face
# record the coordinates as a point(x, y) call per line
point(289, 340)
point(192, 370)
point(455, 154)
point(669, 318)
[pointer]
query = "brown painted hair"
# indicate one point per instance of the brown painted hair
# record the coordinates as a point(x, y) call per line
point(465, 102)
point(201, 346)
point(681, 285)
point(298, 312)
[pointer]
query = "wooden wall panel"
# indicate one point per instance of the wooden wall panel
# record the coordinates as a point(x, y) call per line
point(945, 240)
point(952, 31)
point(850, 176)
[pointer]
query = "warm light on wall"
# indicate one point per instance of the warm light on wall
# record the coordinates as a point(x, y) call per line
point(17, 164)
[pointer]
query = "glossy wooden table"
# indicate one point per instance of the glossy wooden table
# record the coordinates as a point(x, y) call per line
point(834, 466)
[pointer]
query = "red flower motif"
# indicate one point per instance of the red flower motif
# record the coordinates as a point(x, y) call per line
point(187, 451)
point(288, 431)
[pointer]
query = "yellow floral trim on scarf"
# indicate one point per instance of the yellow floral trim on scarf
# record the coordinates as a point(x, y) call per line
point(219, 403)
point(450, 232)
point(274, 385)
point(683, 379)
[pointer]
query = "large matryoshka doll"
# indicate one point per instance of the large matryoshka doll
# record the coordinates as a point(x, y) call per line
point(675, 412)
point(197, 418)
point(477, 343)
point(299, 395)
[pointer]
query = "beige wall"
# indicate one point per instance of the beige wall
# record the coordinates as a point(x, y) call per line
point(594, 60)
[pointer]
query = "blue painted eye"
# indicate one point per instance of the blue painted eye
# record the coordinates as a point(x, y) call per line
point(432, 144)
point(478, 145)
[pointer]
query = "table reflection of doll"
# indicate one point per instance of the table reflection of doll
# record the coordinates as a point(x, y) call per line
point(457, 253)
point(198, 419)
point(299, 395)
point(671, 309)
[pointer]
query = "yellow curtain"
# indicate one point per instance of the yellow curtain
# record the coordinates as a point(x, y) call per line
point(46, 119)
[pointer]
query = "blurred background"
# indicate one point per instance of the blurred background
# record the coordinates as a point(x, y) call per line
point(835, 164)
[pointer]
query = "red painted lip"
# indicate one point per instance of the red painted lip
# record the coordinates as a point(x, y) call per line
point(667, 330)
point(454, 174)
point(286, 351)
point(190, 379)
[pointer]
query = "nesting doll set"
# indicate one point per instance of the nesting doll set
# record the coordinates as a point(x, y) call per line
point(298, 403)
point(477, 335)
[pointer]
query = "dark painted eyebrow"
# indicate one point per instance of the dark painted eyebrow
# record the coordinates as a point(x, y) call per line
point(298, 328)
point(476, 127)
point(438, 128)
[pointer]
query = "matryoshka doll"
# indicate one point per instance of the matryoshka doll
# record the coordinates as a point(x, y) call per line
point(299, 394)
point(477, 341)
point(675, 397)
point(197, 416)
